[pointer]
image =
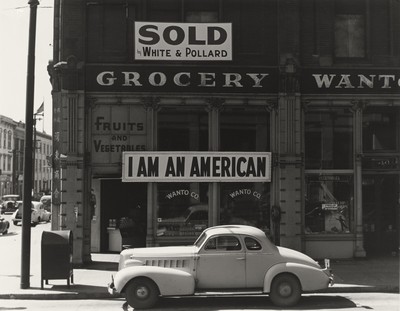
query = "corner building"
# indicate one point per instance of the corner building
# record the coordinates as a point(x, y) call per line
point(312, 85)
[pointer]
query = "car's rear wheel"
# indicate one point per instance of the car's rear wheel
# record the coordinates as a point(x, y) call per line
point(142, 293)
point(285, 290)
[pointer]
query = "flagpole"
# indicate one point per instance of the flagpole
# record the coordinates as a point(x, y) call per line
point(43, 116)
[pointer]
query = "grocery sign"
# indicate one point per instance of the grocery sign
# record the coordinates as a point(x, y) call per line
point(183, 41)
point(196, 166)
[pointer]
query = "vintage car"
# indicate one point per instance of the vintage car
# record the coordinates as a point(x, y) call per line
point(4, 226)
point(38, 213)
point(8, 203)
point(228, 259)
point(195, 217)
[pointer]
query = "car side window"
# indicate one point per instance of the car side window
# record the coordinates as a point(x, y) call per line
point(252, 244)
point(224, 243)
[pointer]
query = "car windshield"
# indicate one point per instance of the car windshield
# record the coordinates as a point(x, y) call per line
point(200, 240)
point(10, 197)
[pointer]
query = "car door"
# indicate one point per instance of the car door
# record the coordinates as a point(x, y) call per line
point(259, 260)
point(221, 264)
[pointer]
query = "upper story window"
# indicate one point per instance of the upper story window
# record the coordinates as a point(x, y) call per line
point(205, 11)
point(350, 29)
point(107, 32)
point(110, 27)
point(9, 140)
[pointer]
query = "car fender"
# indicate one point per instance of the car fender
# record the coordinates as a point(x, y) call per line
point(311, 278)
point(170, 282)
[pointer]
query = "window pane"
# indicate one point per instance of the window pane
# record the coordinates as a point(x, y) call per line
point(244, 130)
point(182, 209)
point(329, 139)
point(349, 36)
point(329, 203)
point(224, 243)
point(245, 204)
point(106, 32)
point(180, 130)
point(379, 129)
point(252, 244)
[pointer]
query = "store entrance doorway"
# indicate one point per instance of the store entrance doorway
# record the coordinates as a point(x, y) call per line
point(381, 214)
point(121, 201)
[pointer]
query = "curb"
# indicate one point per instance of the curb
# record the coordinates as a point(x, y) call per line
point(83, 295)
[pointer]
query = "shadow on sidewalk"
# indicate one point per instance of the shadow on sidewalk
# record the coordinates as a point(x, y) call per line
point(98, 265)
point(307, 302)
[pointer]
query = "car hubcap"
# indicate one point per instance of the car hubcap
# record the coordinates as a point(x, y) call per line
point(142, 292)
point(285, 290)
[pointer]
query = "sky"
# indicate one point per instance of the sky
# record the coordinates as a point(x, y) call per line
point(14, 36)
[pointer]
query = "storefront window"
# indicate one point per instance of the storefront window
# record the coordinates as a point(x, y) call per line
point(182, 207)
point(245, 204)
point(329, 139)
point(329, 203)
point(182, 130)
point(379, 129)
point(245, 129)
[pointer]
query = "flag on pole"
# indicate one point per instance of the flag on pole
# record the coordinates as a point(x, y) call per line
point(41, 108)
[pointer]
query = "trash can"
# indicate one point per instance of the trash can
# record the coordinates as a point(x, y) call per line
point(57, 249)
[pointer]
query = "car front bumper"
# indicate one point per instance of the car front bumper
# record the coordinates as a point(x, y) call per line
point(330, 275)
point(111, 289)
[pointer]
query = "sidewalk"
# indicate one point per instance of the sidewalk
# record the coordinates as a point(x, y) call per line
point(90, 281)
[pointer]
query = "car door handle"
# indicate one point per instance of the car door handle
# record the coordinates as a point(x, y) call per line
point(241, 258)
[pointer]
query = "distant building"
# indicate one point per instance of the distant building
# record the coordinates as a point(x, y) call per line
point(12, 159)
point(7, 132)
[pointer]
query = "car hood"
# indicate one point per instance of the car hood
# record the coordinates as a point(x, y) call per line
point(170, 251)
point(290, 255)
point(165, 253)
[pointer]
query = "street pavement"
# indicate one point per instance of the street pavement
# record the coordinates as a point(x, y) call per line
point(90, 280)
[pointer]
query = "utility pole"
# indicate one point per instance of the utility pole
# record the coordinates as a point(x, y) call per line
point(27, 194)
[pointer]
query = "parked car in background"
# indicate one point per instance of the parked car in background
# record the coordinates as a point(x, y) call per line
point(4, 226)
point(224, 258)
point(8, 203)
point(46, 201)
point(38, 213)
point(195, 218)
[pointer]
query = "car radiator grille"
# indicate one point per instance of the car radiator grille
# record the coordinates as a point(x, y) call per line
point(167, 263)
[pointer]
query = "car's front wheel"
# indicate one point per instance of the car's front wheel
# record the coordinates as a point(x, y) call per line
point(142, 293)
point(285, 290)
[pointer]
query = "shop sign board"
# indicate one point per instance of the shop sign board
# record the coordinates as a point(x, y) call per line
point(116, 128)
point(350, 81)
point(183, 41)
point(196, 166)
point(181, 79)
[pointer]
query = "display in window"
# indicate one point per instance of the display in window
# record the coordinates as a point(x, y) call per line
point(329, 202)
point(183, 209)
point(245, 204)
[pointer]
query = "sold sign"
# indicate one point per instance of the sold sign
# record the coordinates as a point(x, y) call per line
point(183, 41)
